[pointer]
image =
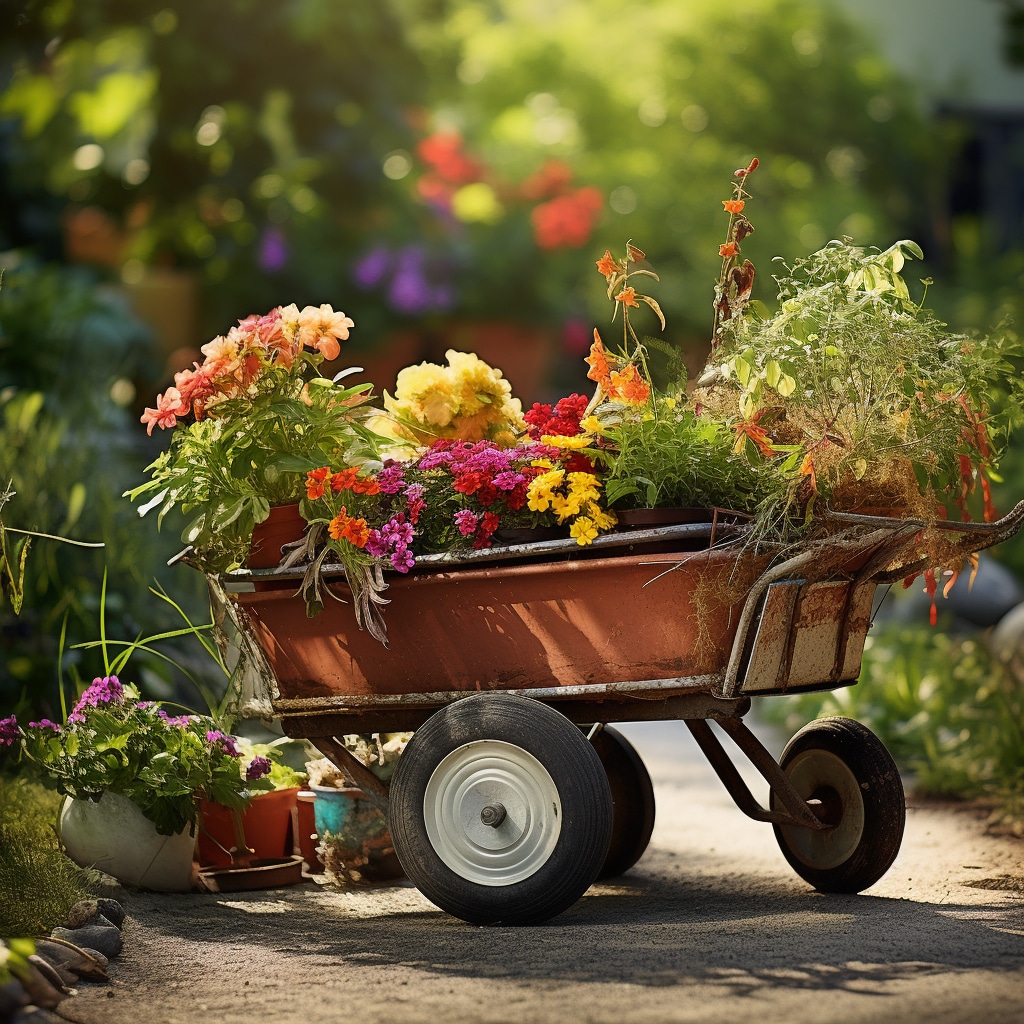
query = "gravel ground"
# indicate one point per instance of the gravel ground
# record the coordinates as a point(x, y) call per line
point(711, 925)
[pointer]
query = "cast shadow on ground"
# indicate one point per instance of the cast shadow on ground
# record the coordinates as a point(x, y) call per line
point(652, 927)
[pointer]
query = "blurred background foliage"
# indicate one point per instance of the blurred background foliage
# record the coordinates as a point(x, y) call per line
point(445, 171)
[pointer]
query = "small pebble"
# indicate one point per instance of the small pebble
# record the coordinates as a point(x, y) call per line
point(102, 937)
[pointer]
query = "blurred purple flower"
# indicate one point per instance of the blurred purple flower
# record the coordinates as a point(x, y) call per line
point(273, 255)
point(371, 269)
point(44, 723)
point(224, 741)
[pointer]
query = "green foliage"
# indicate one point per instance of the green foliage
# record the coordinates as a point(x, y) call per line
point(38, 883)
point(668, 457)
point(949, 712)
point(852, 374)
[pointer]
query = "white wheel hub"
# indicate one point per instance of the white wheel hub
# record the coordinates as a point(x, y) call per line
point(492, 812)
point(811, 772)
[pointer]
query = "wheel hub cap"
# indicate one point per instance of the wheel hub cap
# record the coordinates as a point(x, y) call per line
point(492, 812)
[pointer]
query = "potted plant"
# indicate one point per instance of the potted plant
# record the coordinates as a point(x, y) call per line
point(261, 417)
point(134, 775)
point(261, 830)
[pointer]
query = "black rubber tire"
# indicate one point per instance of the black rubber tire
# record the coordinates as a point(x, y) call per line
point(845, 765)
point(632, 801)
point(579, 829)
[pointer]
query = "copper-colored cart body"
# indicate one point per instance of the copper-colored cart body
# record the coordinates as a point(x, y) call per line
point(684, 622)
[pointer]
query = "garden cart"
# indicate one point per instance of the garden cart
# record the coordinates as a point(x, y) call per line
point(509, 663)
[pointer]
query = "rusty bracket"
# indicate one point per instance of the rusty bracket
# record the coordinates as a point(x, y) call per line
point(797, 811)
point(375, 790)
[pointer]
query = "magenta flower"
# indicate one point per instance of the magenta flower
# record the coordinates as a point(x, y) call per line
point(182, 721)
point(224, 741)
point(44, 723)
point(258, 767)
point(9, 731)
point(466, 521)
point(105, 690)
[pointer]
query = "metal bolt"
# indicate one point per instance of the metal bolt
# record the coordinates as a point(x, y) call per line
point(493, 815)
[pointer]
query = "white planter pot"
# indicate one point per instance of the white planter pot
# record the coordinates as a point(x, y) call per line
point(114, 836)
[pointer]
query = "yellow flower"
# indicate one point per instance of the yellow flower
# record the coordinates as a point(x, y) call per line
point(583, 529)
point(602, 520)
point(584, 486)
point(592, 425)
point(564, 441)
point(540, 493)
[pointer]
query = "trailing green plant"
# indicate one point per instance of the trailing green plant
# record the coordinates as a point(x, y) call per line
point(38, 883)
point(951, 713)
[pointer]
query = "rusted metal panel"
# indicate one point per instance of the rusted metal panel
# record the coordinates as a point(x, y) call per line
point(858, 622)
point(766, 669)
point(817, 628)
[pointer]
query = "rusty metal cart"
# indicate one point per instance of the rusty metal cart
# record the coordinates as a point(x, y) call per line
point(513, 797)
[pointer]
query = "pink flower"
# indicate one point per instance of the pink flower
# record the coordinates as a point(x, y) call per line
point(225, 742)
point(169, 407)
point(9, 731)
point(466, 521)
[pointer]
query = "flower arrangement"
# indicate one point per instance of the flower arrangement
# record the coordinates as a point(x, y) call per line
point(261, 418)
point(465, 400)
point(114, 742)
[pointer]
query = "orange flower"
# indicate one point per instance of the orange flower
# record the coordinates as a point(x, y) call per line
point(607, 264)
point(343, 480)
point(357, 533)
point(339, 524)
point(728, 250)
point(598, 361)
point(629, 385)
point(628, 297)
point(315, 482)
point(733, 205)
point(366, 485)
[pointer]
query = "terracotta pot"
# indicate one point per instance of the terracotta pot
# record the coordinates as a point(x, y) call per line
point(266, 828)
point(113, 835)
point(283, 525)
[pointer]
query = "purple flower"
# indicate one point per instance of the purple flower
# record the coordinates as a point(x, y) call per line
point(225, 742)
point(376, 544)
point(391, 478)
point(466, 521)
point(403, 559)
point(371, 269)
point(182, 721)
point(44, 723)
point(258, 767)
point(9, 731)
point(508, 480)
point(105, 690)
point(273, 254)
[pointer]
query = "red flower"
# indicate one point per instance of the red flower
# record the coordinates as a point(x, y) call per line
point(566, 222)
